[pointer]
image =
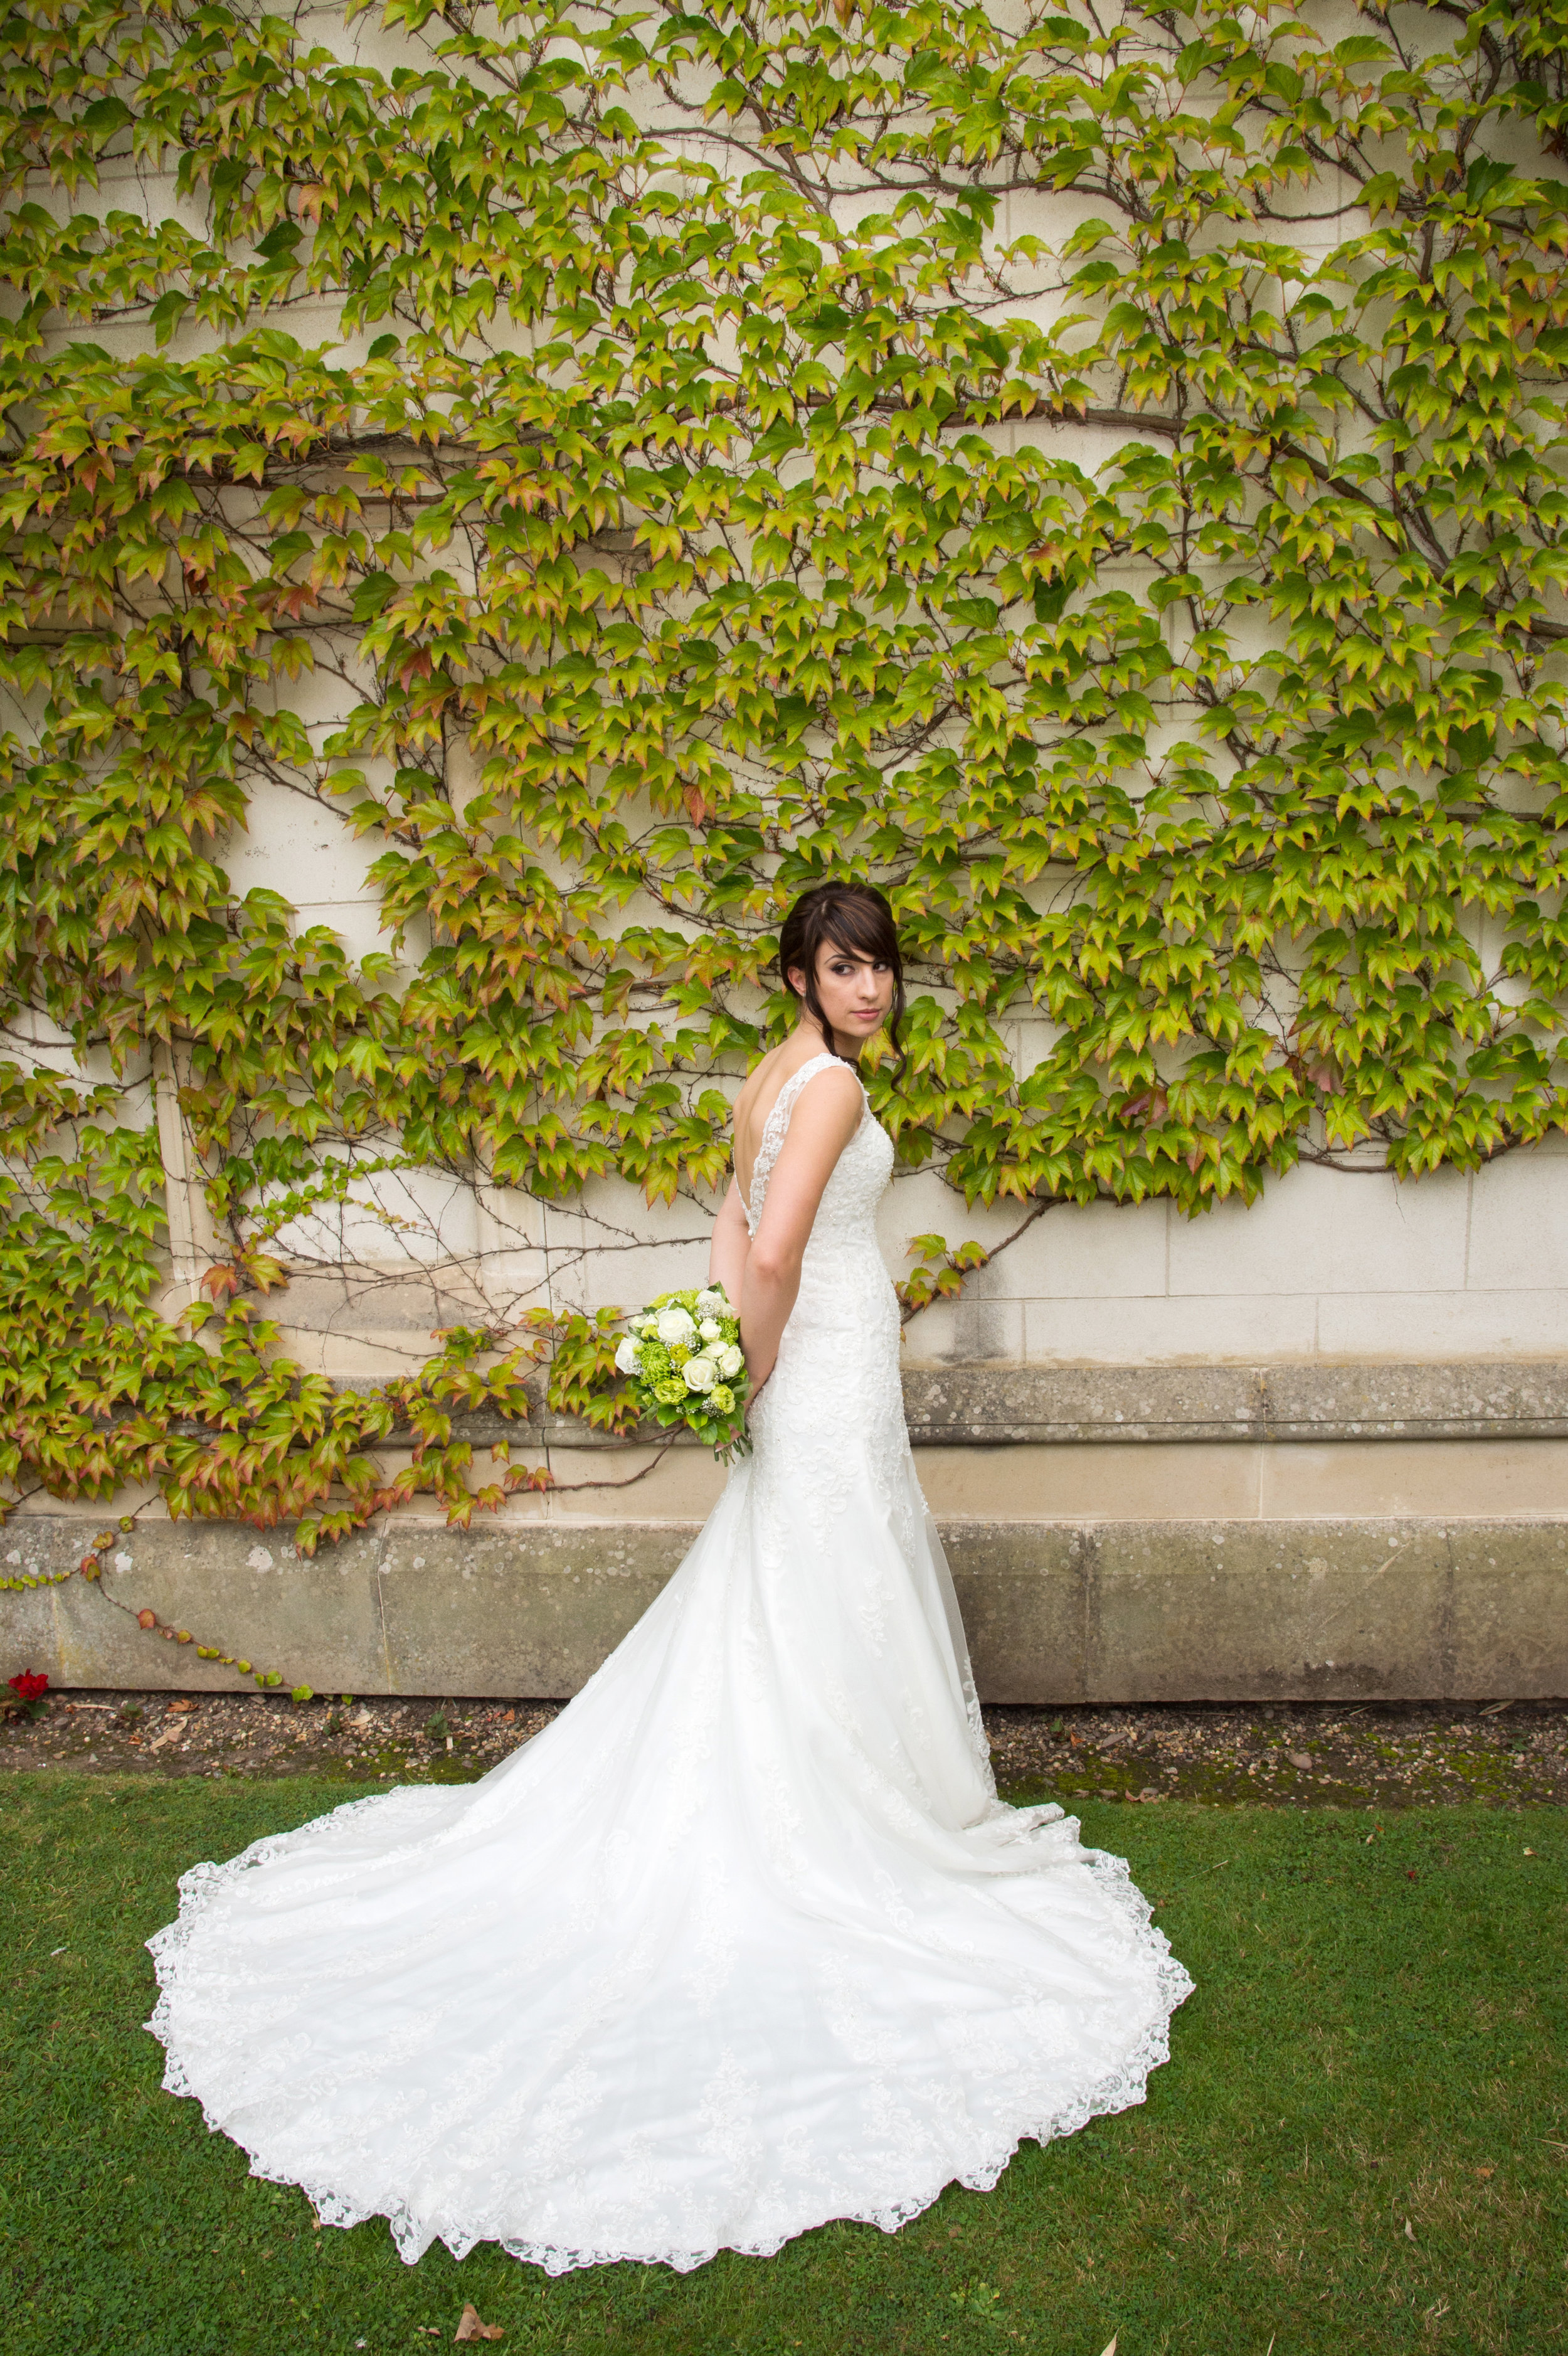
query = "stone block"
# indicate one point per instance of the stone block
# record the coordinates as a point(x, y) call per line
point(1093, 1483)
point(1519, 1230)
point(1470, 1325)
point(1091, 1251)
point(978, 1332)
point(634, 1484)
point(1474, 1479)
point(247, 1593)
point(1328, 1231)
point(1508, 1616)
point(1156, 1332)
point(469, 1612)
point(1022, 1592)
point(1268, 1610)
point(611, 1249)
point(1074, 1404)
point(1510, 1399)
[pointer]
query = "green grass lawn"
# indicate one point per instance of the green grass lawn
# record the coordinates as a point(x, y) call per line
point(1361, 2141)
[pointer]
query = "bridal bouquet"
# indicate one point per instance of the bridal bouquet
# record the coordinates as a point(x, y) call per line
point(684, 1352)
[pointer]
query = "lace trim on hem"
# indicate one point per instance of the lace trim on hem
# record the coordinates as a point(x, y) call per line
point(1119, 2090)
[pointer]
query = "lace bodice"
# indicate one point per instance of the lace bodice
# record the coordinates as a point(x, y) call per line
point(833, 1400)
point(859, 1179)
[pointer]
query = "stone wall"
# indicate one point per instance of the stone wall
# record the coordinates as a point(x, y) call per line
point(1117, 1534)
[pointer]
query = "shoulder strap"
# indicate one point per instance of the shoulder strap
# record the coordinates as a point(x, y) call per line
point(778, 1122)
point(797, 1080)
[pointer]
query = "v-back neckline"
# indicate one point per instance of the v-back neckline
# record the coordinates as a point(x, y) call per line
point(802, 1073)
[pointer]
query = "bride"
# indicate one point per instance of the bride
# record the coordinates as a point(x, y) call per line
point(743, 1940)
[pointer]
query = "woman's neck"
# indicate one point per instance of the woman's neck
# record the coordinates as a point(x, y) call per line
point(827, 1045)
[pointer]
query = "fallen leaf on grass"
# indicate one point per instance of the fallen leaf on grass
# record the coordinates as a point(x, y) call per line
point(1111, 2350)
point(469, 2328)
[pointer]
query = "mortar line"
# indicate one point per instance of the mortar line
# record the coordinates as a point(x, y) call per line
point(381, 1611)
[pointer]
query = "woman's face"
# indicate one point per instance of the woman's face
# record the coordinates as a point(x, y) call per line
point(855, 992)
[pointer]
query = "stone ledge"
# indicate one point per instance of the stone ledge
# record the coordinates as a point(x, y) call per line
point(1103, 1611)
point(985, 1406)
point(990, 1406)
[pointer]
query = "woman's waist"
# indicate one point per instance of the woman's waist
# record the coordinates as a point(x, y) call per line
point(831, 1303)
point(851, 1329)
point(852, 1261)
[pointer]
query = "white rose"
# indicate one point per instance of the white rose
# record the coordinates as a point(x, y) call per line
point(712, 1303)
point(702, 1374)
point(731, 1362)
point(673, 1326)
point(626, 1357)
point(710, 1329)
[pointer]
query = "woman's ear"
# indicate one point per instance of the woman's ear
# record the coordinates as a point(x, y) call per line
point(795, 981)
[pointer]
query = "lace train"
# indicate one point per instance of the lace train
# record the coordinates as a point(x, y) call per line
point(743, 1941)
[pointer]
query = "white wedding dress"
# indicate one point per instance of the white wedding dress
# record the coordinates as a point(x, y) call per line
point(743, 1940)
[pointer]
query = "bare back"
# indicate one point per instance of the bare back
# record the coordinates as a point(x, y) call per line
point(757, 1098)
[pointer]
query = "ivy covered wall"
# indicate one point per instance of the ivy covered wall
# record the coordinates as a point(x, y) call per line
point(1098, 473)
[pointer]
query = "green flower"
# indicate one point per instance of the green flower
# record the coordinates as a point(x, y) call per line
point(721, 1399)
point(671, 1393)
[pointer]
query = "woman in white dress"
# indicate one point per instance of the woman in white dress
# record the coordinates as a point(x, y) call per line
point(743, 1940)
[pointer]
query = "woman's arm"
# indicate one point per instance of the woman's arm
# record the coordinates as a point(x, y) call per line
point(731, 1244)
point(820, 1126)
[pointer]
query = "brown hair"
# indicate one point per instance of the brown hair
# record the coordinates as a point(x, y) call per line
point(854, 916)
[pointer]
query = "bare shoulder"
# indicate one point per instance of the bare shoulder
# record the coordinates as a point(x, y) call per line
point(826, 1110)
point(832, 1097)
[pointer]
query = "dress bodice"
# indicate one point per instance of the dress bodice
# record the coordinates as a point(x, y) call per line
point(834, 1401)
point(847, 1213)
